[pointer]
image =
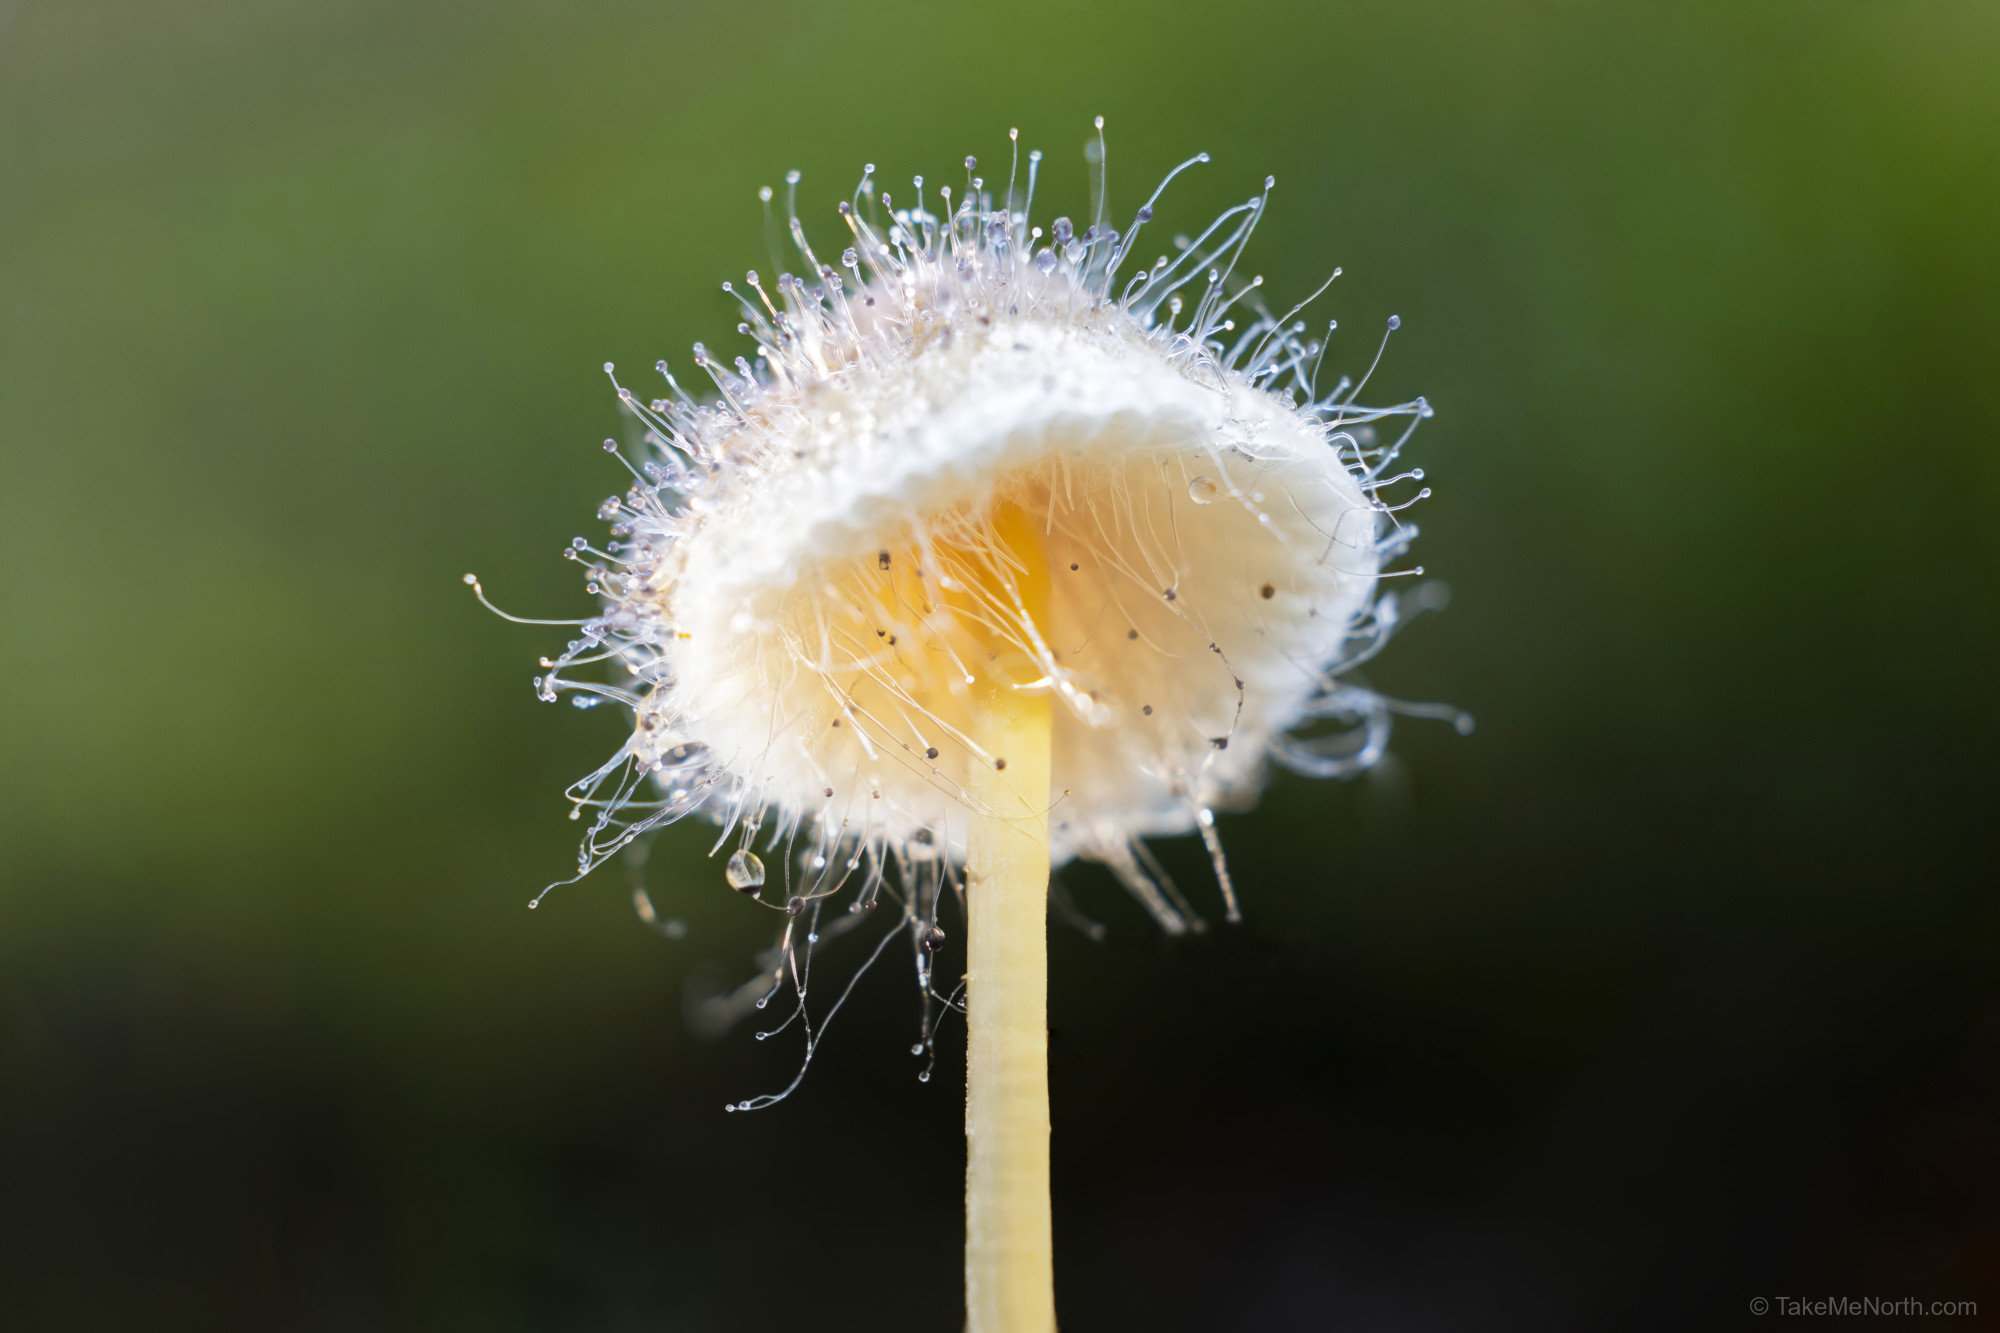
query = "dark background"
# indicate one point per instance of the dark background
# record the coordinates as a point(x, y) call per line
point(1671, 987)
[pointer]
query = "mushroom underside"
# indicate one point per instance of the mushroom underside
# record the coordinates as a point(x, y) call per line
point(1196, 594)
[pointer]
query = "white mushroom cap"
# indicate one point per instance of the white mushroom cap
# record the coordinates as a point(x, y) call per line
point(802, 585)
point(1173, 666)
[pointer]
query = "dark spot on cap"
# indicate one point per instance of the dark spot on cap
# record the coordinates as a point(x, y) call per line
point(931, 752)
point(1131, 634)
point(1267, 592)
point(1072, 565)
point(829, 791)
point(892, 638)
point(999, 763)
point(1147, 710)
point(882, 559)
point(880, 632)
point(836, 722)
point(1170, 594)
point(1219, 742)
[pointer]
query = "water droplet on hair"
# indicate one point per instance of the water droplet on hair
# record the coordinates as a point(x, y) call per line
point(1203, 490)
point(794, 905)
point(1395, 321)
point(933, 940)
point(745, 872)
point(1045, 260)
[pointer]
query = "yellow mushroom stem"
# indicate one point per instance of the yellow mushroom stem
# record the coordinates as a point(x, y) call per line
point(1009, 1258)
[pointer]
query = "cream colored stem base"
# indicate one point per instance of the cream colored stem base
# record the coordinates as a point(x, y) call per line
point(1009, 1259)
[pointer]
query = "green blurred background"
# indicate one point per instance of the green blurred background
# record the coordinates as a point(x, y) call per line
point(1672, 986)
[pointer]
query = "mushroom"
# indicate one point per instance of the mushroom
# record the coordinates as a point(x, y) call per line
point(1005, 550)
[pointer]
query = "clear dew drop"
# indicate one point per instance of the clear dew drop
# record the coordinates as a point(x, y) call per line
point(744, 872)
point(1203, 490)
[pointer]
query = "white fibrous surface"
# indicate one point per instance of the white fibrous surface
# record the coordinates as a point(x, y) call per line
point(802, 584)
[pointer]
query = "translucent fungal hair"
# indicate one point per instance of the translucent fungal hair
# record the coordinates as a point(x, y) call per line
point(803, 582)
